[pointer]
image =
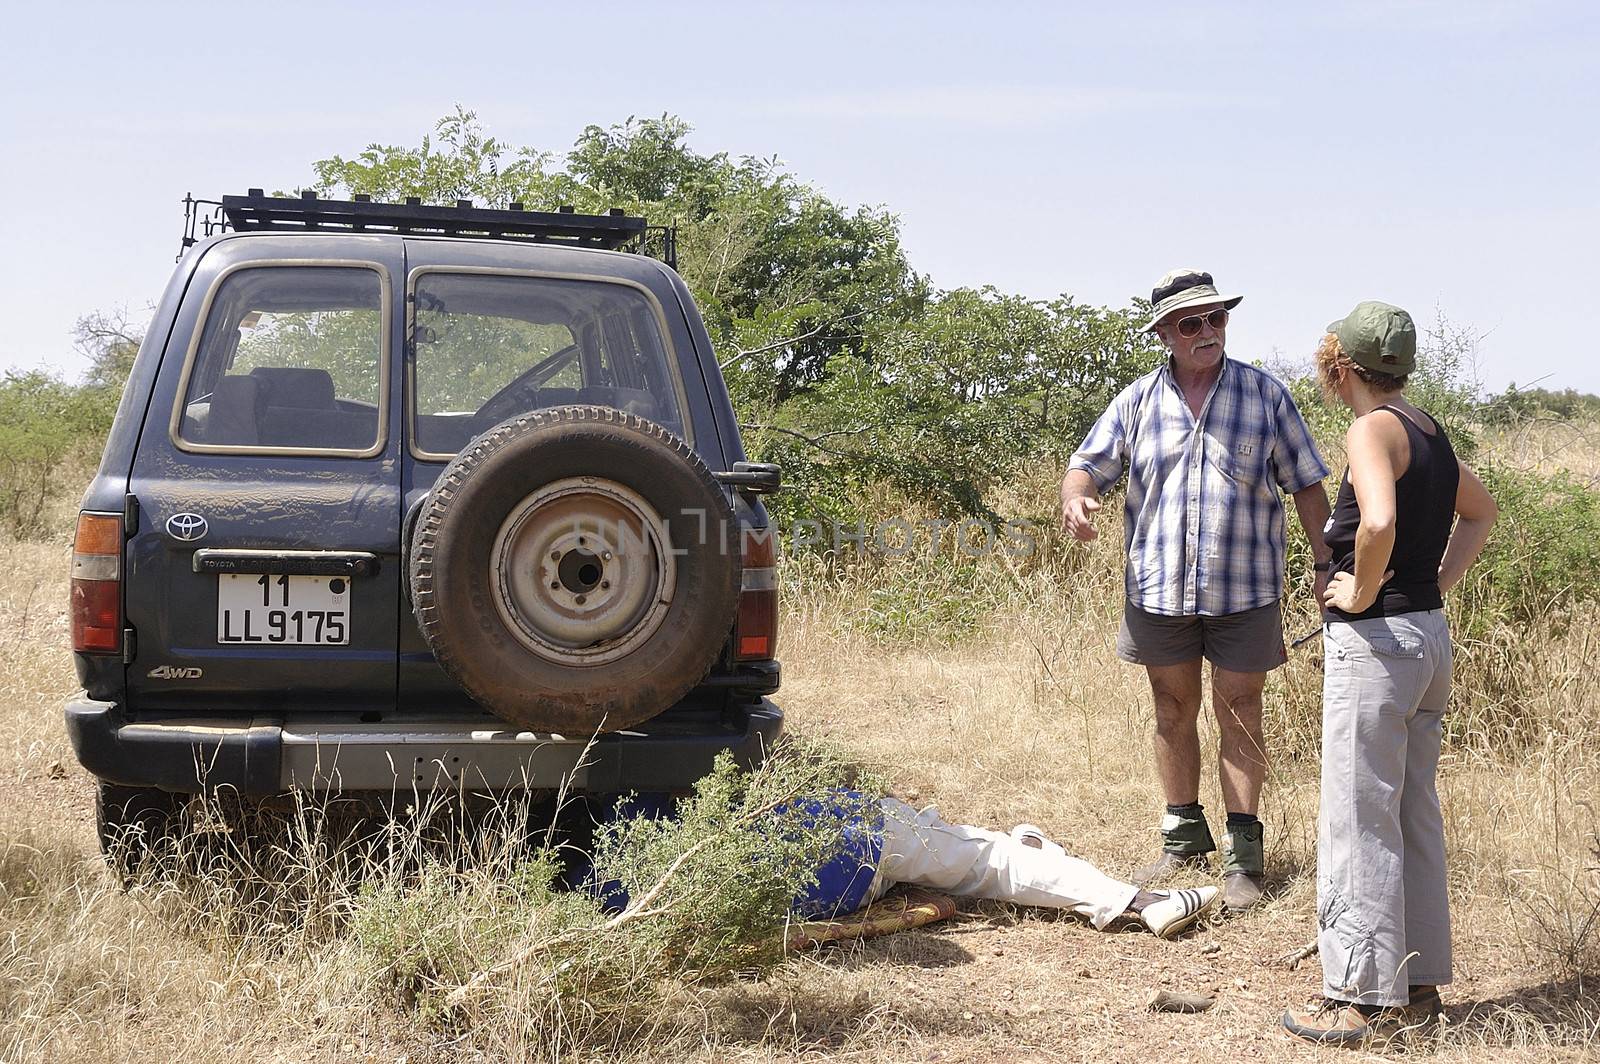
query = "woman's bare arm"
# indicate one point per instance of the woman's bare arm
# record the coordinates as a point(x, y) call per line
point(1477, 512)
point(1374, 464)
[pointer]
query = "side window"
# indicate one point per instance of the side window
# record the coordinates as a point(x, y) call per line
point(490, 346)
point(290, 356)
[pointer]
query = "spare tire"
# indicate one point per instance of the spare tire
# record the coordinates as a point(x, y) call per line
point(576, 569)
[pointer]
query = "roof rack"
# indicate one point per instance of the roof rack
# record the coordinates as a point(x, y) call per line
point(258, 212)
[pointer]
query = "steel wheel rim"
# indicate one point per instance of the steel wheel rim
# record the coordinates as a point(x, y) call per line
point(581, 572)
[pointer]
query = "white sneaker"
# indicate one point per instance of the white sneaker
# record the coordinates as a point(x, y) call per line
point(1178, 910)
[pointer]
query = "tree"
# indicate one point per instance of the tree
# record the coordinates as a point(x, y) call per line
point(109, 341)
point(766, 256)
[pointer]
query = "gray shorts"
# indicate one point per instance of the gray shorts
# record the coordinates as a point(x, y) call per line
point(1251, 641)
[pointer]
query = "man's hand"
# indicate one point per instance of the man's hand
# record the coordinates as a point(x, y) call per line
point(1077, 517)
point(1079, 501)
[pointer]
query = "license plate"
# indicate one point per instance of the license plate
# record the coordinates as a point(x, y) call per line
point(286, 610)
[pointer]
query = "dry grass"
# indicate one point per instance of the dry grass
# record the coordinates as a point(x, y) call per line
point(1549, 445)
point(1028, 718)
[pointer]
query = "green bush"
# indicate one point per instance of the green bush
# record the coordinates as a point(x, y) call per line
point(936, 598)
point(48, 430)
point(1541, 559)
point(496, 950)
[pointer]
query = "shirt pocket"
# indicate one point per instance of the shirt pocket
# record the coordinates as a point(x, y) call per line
point(1244, 463)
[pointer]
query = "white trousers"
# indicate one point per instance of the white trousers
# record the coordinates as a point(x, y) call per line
point(923, 850)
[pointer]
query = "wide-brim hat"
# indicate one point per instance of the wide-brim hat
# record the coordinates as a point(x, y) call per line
point(1181, 289)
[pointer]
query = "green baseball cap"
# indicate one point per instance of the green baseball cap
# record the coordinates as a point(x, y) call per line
point(1379, 337)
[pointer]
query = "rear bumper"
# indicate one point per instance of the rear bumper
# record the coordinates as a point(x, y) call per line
point(406, 751)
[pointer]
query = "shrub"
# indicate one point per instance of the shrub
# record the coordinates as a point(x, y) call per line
point(45, 424)
point(500, 953)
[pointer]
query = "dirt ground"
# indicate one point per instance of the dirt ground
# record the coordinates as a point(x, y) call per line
point(1035, 723)
point(1009, 986)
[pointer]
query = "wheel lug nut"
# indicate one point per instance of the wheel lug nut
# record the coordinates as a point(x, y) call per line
point(605, 555)
point(605, 583)
point(555, 555)
point(580, 600)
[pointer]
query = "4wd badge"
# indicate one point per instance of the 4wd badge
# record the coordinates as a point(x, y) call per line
point(174, 672)
point(186, 526)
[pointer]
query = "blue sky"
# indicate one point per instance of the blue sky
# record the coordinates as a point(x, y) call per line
point(1438, 155)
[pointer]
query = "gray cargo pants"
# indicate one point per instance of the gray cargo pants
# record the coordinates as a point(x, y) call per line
point(1383, 918)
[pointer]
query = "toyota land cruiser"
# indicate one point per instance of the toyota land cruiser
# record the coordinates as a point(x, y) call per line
point(407, 497)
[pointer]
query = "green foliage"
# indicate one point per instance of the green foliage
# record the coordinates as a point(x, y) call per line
point(955, 401)
point(458, 161)
point(850, 369)
point(723, 870)
point(437, 929)
point(109, 341)
point(1543, 556)
point(472, 946)
point(934, 597)
point(44, 423)
point(1519, 405)
point(343, 342)
point(766, 256)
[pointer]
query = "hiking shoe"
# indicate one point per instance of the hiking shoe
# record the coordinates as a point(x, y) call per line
point(1425, 1004)
point(1422, 1015)
point(1243, 865)
point(1185, 842)
point(1166, 865)
point(1177, 910)
point(1328, 1022)
point(1241, 891)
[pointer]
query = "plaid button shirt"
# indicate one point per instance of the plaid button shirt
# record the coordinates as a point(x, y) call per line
point(1203, 522)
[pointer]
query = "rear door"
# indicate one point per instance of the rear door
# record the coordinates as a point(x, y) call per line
point(499, 330)
point(263, 575)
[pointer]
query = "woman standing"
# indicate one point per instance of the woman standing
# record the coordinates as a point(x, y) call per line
point(1383, 922)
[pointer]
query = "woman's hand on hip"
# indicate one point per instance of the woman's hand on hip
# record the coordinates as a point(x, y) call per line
point(1345, 596)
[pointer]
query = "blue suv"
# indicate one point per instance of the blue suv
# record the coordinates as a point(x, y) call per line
point(402, 497)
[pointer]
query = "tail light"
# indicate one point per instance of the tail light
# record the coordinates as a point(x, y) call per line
point(97, 584)
point(755, 632)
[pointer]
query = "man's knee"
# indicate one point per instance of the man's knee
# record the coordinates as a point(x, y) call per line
point(1236, 697)
point(1177, 711)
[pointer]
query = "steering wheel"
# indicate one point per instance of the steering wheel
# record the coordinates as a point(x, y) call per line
point(520, 394)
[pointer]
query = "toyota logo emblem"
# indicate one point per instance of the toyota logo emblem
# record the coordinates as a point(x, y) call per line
point(186, 526)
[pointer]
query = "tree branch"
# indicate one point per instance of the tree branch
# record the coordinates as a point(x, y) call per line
point(815, 441)
point(775, 345)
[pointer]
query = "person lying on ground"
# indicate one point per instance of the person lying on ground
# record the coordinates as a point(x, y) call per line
point(887, 842)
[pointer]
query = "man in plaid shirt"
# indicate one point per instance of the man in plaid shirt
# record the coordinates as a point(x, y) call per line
point(1207, 443)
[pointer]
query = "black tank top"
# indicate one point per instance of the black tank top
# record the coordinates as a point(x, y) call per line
point(1425, 510)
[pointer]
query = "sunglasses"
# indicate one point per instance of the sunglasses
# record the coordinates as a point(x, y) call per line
point(1190, 326)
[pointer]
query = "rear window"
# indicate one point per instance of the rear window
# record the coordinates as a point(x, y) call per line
point(289, 358)
point(491, 346)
